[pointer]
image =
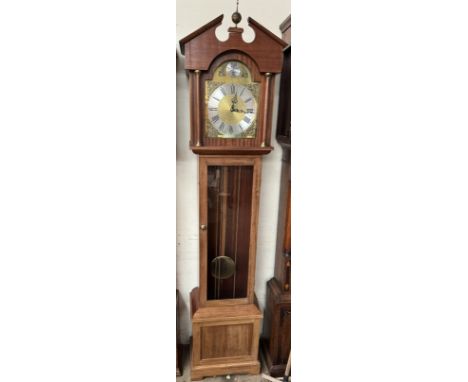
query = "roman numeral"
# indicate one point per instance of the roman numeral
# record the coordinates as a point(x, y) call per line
point(242, 91)
point(213, 109)
point(215, 118)
point(233, 89)
point(246, 119)
point(231, 130)
point(223, 91)
point(248, 99)
point(221, 127)
point(250, 111)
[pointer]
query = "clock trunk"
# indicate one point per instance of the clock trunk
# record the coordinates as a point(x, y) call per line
point(229, 196)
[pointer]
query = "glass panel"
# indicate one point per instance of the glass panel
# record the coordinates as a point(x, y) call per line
point(229, 215)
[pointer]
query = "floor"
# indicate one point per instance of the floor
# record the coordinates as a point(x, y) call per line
point(232, 378)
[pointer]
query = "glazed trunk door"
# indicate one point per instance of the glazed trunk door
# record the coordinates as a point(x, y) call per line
point(228, 196)
point(229, 214)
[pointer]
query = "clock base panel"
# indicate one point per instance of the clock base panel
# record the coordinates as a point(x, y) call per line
point(225, 339)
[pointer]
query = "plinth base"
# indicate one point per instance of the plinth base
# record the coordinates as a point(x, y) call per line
point(225, 339)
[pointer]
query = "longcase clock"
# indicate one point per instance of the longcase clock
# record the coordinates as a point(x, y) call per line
point(231, 96)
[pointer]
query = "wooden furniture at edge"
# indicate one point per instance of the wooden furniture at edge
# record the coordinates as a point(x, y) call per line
point(178, 345)
point(276, 337)
point(226, 331)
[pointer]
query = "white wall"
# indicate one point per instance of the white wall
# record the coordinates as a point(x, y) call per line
point(190, 16)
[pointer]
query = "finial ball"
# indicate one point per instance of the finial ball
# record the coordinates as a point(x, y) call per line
point(236, 17)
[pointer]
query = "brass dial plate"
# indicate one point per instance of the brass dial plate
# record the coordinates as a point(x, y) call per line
point(231, 100)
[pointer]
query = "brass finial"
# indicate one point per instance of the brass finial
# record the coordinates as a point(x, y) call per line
point(236, 16)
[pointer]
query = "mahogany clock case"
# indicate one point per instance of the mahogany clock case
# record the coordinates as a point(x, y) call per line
point(224, 310)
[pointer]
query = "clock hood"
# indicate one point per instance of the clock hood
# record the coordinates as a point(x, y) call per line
point(202, 46)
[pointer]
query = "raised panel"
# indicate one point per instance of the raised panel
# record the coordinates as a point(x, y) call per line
point(222, 341)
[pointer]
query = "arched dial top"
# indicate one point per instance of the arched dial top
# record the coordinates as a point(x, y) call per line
point(231, 100)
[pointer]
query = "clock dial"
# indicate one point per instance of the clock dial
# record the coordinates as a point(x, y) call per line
point(231, 109)
point(231, 102)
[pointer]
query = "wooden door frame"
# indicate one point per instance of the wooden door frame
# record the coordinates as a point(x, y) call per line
point(239, 160)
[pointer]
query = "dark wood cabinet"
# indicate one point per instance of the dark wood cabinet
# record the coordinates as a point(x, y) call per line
point(277, 325)
point(178, 345)
point(276, 338)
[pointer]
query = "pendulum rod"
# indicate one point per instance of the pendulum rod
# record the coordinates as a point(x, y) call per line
point(223, 221)
point(239, 170)
point(218, 184)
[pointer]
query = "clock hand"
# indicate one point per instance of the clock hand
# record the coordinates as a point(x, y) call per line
point(239, 111)
point(233, 102)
